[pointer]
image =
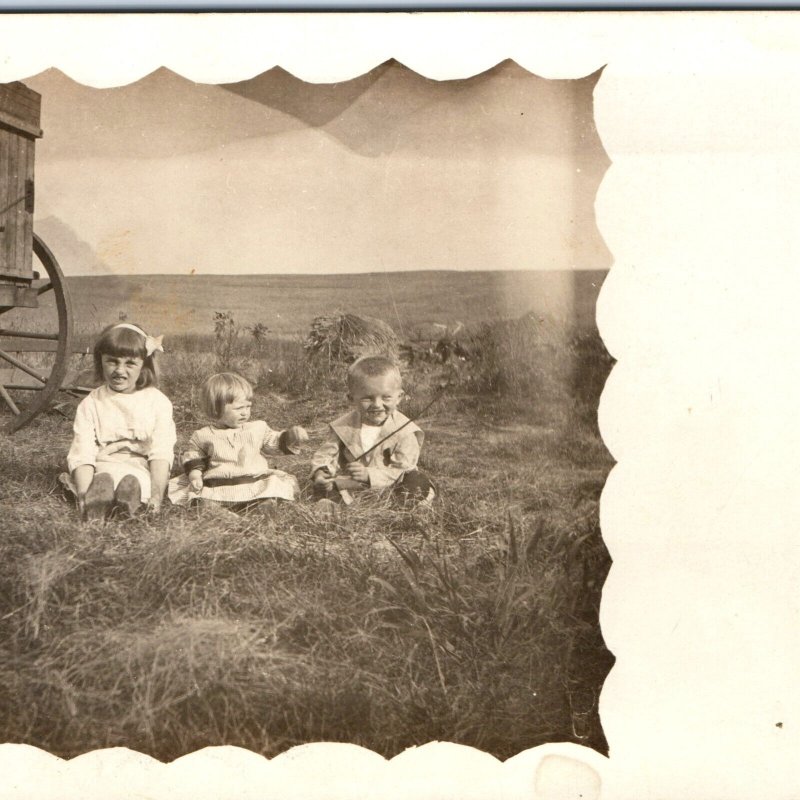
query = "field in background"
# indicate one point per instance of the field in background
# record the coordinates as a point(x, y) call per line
point(476, 623)
point(409, 301)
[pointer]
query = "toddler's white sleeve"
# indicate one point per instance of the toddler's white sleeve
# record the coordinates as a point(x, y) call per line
point(195, 455)
point(84, 447)
point(271, 440)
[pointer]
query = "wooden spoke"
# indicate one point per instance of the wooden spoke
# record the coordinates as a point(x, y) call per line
point(73, 391)
point(8, 401)
point(43, 338)
point(28, 335)
point(23, 366)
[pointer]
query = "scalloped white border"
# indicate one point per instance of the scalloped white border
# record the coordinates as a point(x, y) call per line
point(699, 114)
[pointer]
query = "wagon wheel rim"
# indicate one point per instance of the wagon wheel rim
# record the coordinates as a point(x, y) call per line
point(49, 383)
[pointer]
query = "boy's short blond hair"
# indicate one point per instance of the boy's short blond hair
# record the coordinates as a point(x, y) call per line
point(221, 389)
point(372, 367)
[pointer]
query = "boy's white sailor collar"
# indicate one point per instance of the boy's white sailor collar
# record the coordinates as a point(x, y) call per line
point(348, 429)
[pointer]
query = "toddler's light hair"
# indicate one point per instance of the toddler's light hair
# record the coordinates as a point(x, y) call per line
point(223, 388)
point(372, 367)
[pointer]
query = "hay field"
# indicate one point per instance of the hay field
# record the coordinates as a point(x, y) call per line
point(474, 623)
point(286, 304)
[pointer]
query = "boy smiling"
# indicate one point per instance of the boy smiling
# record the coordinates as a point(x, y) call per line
point(374, 446)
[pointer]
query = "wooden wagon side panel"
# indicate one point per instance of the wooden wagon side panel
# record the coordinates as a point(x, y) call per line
point(25, 231)
point(19, 128)
point(20, 108)
point(11, 179)
point(6, 138)
point(33, 358)
point(16, 163)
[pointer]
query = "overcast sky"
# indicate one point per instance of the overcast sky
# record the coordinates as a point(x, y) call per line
point(390, 171)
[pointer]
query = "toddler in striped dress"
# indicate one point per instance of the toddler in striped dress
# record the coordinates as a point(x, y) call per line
point(224, 461)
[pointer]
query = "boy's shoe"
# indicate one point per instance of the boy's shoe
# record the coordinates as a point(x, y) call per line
point(128, 496)
point(99, 498)
point(415, 490)
point(427, 502)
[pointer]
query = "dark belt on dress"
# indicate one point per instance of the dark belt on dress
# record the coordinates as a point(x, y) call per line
point(237, 481)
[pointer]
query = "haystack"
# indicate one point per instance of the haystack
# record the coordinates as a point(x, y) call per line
point(343, 338)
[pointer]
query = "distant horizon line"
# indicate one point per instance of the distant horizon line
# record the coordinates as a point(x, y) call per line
point(327, 274)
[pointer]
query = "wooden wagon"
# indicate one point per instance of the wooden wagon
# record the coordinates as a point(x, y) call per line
point(35, 312)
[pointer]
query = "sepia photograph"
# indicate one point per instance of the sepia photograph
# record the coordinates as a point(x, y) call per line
point(300, 386)
point(399, 405)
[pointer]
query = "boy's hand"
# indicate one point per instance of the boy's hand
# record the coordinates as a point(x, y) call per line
point(358, 472)
point(295, 436)
point(323, 480)
point(196, 480)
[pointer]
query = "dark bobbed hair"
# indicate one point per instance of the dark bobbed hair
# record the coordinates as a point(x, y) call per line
point(122, 342)
point(223, 388)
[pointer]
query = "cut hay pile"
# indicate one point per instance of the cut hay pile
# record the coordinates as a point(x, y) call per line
point(343, 338)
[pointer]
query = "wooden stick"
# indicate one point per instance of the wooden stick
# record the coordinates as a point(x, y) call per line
point(21, 365)
point(442, 390)
point(9, 402)
point(344, 486)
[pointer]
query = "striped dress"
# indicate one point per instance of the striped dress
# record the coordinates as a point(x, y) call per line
point(233, 465)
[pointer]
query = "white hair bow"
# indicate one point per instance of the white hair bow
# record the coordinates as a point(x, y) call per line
point(151, 343)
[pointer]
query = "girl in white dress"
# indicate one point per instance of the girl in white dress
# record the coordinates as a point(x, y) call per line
point(123, 435)
point(224, 461)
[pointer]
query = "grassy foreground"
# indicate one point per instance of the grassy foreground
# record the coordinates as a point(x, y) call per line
point(474, 623)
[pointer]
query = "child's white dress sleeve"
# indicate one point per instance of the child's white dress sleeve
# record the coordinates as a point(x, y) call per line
point(84, 447)
point(163, 437)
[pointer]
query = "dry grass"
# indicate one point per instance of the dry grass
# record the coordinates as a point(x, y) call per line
point(473, 623)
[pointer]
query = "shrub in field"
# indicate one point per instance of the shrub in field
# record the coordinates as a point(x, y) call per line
point(269, 362)
point(540, 364)
point(291, 371)
point(591, 366)
point(229, 346)
point(226, 338)
point(275, 365)
point(523, 360)
point(342, 338)
point(540, 367)
point(259, 332)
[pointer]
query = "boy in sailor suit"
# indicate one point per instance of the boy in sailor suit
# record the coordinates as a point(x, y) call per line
point(374, 446)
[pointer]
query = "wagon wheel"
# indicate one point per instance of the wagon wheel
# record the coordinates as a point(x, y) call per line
point(35, 344)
